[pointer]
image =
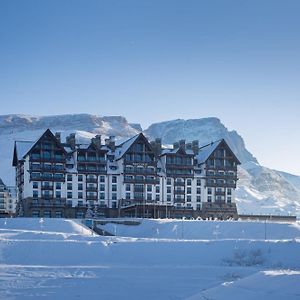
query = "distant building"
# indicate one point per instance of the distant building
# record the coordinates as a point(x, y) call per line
point(7, 200)
point(132, 178)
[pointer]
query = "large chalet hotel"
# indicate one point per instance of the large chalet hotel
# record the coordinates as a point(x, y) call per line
point(135, 178)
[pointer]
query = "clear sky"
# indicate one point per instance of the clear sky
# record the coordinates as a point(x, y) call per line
point(159, 60)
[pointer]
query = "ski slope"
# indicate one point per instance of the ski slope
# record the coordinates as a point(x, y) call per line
point(61, 259)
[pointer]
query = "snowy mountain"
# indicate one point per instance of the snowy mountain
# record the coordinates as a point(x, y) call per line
point(260, 190)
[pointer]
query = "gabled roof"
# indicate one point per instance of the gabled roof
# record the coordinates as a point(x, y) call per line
point(175, 151)
point(124, 147)
point(22, 148)
point(1, 182)
point(206, 151)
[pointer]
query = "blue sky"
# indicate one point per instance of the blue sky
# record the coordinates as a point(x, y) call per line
point(158, 60)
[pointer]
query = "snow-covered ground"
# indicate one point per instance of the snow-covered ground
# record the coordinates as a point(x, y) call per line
point(60, 259)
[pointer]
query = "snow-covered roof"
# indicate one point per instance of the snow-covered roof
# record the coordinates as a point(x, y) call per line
point(207, 150)
point(23, 148)
point(174, 151)
point(122, 148)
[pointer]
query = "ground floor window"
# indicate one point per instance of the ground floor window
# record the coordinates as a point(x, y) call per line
point(58, 214)
point(35, 213)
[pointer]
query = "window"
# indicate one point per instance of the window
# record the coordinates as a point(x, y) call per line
point(114, 204)
point(58, 194)
point(80, 203)
point(69, 195)
point(198, 190)
point(228, 191)
point(114, 187)
point(69, 177)
point(168, 197)
point(168, 181)
point(127, 195)
point(188, 190)
point(188, 198)
point(209, 199)
point(58, 185)
point(58, 214)
point(149, 188)
point(47, 214)
point(189, 205)
point(198, 182)
point(168, 189)
point(80, 195)
point(228, 199)
point(189, 181)
point(35, 193)
point(102, 179)
point(198, 207)
point(157, 189)
point(35, 185)
point(114, 196)
point(35, 213)
point(69, 186)
point(157, 197)
point(80, 178)
point(102, 196)
point(209, 191)
point(198, 198)
point(149, 197)
point(102, 187)
point(80, 186)
point(114, 179)
point(69, 202)
point(128, 187)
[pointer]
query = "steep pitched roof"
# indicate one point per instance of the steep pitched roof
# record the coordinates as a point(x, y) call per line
point(207, 150)
point(174, 151)
point(124, 147)
point(1, 182)
point(22, 148)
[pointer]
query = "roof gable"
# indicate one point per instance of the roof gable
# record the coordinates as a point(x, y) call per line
point(123, 148)
point(207, 151)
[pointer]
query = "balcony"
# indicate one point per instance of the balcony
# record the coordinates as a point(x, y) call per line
point(220, 193)
point(180, 192)
point(91, 197)
point(91, 189)
point(92, 180)
point(224, 185)
point(179, 183)
point(47, 187)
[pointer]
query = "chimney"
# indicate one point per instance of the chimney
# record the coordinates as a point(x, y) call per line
point(57, 136)
point(97, 140)
point(176, 145)
point(195, 147)
point(156, 145)
point(70, 141)
point(112, 142)
point(189, 146)
point(182, 144)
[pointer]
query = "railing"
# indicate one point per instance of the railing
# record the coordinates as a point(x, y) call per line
point(94, 180)
point(91, 189)
point(181, 192)
point(179, 183)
